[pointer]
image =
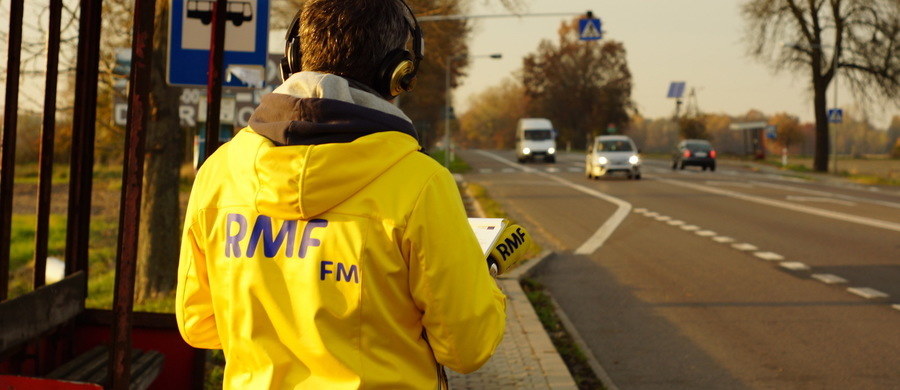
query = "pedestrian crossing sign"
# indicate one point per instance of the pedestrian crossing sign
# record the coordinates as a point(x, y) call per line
point(835, 115)
point(589, 29)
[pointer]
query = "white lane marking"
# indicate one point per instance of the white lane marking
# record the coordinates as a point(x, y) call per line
point(723, 239)
point(640, 210)
point(485, 170)
point(663, 218)
point(819, 199)
point(744, 247)
point(510, 170)
point(605, 230)
point(651, 214)
point(552, 170)
point(828, 194)
point(690, 228)
point(897, 306)
point(770, 256)
point(728, 183)
point(829, 278)
point(675, 223)
point(791, 206)
point(575, 169)
point(794, 265)
point(705, 233)
point(866, 292)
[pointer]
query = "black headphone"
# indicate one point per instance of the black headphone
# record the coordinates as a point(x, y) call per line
point(396, 73)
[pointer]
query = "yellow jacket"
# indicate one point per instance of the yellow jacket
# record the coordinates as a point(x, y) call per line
point(337, 265)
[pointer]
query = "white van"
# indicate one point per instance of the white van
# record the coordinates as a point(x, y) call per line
point(535, 138)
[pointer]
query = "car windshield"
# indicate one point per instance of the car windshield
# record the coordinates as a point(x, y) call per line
point(698, 146)
point(614, 146)
point(538, 135)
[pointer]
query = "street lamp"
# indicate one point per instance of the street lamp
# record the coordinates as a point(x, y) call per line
point(447, 105)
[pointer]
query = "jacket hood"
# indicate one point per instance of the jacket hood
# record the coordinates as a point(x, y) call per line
point(317, 141)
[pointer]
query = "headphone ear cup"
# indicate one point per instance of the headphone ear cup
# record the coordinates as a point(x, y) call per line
point(292, 62)
point(396, 74)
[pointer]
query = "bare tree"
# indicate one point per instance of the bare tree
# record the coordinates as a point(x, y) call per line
point(858, 38)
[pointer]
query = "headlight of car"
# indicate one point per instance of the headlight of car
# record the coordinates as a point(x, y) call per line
point(602, 160)
point(633, 160)
point(551, 150)
point(526, 151)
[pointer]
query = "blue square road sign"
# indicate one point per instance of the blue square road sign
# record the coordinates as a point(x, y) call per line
point(589, 29)
point(246, 42)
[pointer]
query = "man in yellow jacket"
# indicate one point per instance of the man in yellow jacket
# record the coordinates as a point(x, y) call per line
point(321, 248)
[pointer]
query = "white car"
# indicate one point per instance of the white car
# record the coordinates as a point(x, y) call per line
point(612, 153)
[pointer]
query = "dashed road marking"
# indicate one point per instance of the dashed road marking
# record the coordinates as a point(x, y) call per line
point(663, 218)
point(651, 214)
point(552, 170)
point(640, 210)
point(705, 233)
point(794, 265)
point(723, 239)
point(866, 292)
point(574, 169)
point(675, 222)
point(744, 247)
point(829, 278)
point(485, 170)
point(690, 228)
point(770, 256)
point(897, 306)
point(507, 170)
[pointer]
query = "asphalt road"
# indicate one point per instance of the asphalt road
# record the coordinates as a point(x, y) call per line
point(735, 279)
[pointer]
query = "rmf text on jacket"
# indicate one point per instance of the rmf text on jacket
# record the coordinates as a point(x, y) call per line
point(236, 228)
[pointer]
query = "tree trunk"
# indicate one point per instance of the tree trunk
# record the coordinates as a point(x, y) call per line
point(820, 160)
point(160, 230)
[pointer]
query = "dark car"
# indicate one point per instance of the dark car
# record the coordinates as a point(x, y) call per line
point(697, 152)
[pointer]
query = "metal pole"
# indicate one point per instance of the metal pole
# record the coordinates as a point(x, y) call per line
point(214, 79)
point(132, 181)
point(83, 130)
point(45, 157)
point(8, 150)
point(834, 127)
point(447, 113)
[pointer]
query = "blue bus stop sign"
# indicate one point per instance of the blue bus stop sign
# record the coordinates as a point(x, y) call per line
point(246, 42)
point(589, 29)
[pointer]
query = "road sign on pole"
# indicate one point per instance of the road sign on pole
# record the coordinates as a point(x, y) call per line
point(246, 42)
point(835, 115)
point(589, 29)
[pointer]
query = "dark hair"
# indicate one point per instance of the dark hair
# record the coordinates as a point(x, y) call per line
point(351, 38)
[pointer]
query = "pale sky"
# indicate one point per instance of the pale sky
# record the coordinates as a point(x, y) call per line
point(696, 41)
